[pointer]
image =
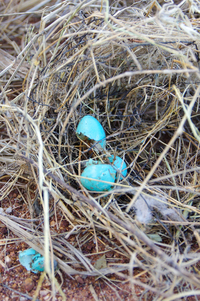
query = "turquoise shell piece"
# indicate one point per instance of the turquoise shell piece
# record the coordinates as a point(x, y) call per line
point(119, 165)
point(37, 264)
point(32, 260)
point(89, 128)
point(26, 257)
point(94, 174)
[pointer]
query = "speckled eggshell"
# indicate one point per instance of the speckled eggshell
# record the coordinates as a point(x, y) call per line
point(119, 165)
point(32, 260)
point(93, 175)
point(26, 258)
point(37, 264)
point(91, 129)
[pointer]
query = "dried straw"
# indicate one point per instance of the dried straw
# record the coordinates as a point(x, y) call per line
point(136, 69)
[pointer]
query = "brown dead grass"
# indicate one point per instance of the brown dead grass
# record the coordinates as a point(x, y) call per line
point(136, 69)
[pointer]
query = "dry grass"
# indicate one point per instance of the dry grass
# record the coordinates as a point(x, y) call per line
point(136, 69)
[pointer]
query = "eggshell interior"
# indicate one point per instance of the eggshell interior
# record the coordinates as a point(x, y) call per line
point(26, 258)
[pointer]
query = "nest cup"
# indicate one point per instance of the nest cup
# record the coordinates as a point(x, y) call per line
point(135, 69)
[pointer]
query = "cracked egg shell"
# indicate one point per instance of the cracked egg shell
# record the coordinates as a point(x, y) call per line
point(32, 260)
point(119, 165)
point(25, 258)
point(89, 128)
point(29, 259)
point(94, 174)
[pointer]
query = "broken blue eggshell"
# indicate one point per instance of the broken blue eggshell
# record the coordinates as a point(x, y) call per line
point(95, 176)
point(119, 165)
point(37, 263)
point(89, 128)
point(32, 260)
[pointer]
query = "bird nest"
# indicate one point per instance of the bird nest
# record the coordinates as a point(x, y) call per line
point(136, 70)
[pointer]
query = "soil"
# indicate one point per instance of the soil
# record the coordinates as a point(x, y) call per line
point(18, 284)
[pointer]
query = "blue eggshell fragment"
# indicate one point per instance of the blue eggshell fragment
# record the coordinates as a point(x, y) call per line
point(89, 128)
point(37, 264)
point(95, 174)
point(32, 260)
point(25, 258)
point(119, 165)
